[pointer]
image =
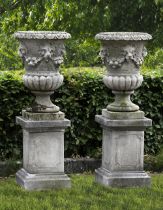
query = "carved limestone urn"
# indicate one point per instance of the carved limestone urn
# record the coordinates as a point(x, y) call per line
point(123, 53)
point(42, 53)
point(123, 124)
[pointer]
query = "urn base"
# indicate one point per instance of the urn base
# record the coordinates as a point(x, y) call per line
point(122, 115)
point(42, 181)
point(43, 116)
point(122, 102)
point(42, 103)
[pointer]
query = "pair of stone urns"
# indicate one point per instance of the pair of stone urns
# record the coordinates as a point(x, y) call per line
point(44, 124)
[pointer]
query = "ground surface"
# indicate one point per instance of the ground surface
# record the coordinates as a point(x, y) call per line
point(84, 195)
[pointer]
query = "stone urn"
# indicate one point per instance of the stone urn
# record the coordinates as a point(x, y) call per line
point(123, 53)
point(42, 53)
point(43, 124)
point(122, 122)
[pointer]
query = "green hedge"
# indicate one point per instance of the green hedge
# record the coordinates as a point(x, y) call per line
point(81, 97)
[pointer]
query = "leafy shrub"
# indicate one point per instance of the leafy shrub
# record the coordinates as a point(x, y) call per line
point(9, 58)
point(13, 97)
point(149, 98)
point(154, 163)
point(81, 97)
point(82, 52)
point(155, 60)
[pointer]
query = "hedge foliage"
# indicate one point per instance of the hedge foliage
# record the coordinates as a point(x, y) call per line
point(81, 97)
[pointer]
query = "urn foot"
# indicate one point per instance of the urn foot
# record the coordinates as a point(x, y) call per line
point(122, 102)
point(42, 103)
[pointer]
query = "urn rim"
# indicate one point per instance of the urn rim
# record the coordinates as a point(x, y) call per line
point(42, 35)
point(120, 36)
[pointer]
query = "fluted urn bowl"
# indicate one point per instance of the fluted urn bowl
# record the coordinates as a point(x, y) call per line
point(42, 53)
point(123, 53)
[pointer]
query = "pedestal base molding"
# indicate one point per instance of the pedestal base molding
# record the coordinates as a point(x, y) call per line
point(122, 179)
point(42, 181)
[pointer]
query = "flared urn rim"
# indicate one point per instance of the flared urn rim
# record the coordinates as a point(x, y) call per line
point(123, 36)
point(55, 35)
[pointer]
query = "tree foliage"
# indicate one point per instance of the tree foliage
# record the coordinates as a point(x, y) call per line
point(83, 19)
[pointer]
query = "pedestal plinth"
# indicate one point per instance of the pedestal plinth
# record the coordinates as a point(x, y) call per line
point(123, 149)
point(43, 151)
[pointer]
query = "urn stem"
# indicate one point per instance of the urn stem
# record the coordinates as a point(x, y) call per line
point(122, 102)
point(43, 102)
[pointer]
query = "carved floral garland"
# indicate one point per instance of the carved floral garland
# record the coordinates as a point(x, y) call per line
point(45, 54)
point(128, 54)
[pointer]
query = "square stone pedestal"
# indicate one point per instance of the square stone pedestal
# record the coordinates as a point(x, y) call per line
point(122, 150)
point(43, 151)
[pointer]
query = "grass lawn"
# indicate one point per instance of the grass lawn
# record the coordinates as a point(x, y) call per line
point(84, 195)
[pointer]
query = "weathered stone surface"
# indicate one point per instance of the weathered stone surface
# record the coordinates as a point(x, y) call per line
point(126, 124)
point(122, 123)
point(42, 181)
point(42, 53)
point(122, 179)
point(42, 125)
point(122, 152)
point(43, 116)
point(42, 35)
point(122, 102)
point(124, 83)
point(122, 115)
point(137, 36)
point(43, 154)
point(123, 53)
